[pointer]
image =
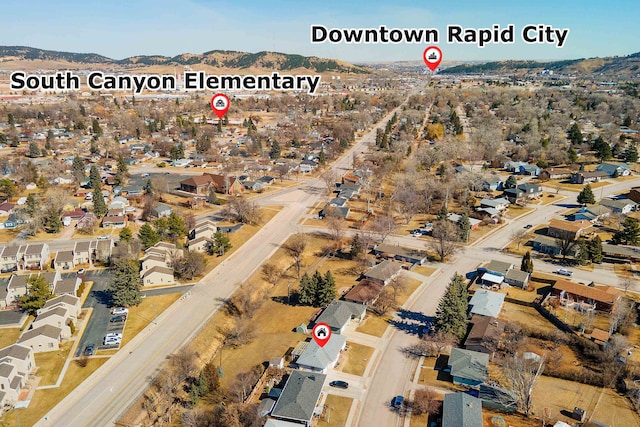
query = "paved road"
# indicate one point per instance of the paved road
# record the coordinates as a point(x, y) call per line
point(102, 398)
point(392, 375)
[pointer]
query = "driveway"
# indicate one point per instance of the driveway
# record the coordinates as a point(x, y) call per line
point(100, 300)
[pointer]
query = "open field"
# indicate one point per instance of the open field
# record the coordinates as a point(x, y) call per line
point(50, 363)
point(357, 358)
point(526, 316)
point(44, 400)
point(336, 411)
point(142, 315)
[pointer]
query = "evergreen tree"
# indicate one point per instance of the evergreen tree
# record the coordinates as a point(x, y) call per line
point(99, 206)
point(527, 263)
point(148, 187)
point(52, 221)
point(442, 213)
point(275, 151)
point(126, 283)
point(38, 293)
point(586, 196)
point(464, 227)
point(125, 235)
point(595, 250)
point(175, 226)
point(322, 157)
point(94, 178)
point(511, 182)
point(451, 315)
point(602, 149)
point(122, 171)
point(456, 125)
point(95, 126)
point(307, 290)
point(148, 236)
point(34, 150)
point(78, 168)
point(631, 153)
point(32, 204)
point(573, 156)
point(574, 134)
point(220, 244)
point(356, 247)
point(582, 251)
point(630, 233)
point(177, 152)
point(212, 198)
point(326, 290)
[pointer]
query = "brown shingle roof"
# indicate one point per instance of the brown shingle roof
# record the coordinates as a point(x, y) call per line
point(572, 226)
point(364, 292)
point(604, 294)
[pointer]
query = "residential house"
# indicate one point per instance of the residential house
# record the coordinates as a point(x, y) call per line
point(384, 272)
point(228, 229)
point(484, 335)
point(468, 368)
point(514, 195)
point(340, 212)
point(570, 230)
point(161, 210)
point(486, 303)
point(20, 356)
point(338, 202)
point(400, 253)
point(81, 253)
point(473, 222)
point(350, 178)
point(307, 166)
point(114, 222)
point(157, 275)
point(6, 208)
point(621, 253)
point(64, 261)
point(101, 250)
point(634, 194)
point(253, 185)
point(10, 258)
point(42, 339)
point(58, 317)
point(366, 292)
point(588, 177)
point(266, 180)
point(12, 222)
point(299, 397)
point(551, 246)
point(494, 273)
point(11, 381)
point(119, 202)
point(577, 295)
point(514, 167)
point(613, 169)
point(623, 206)
point(500, 204)
point(68, 285)
point(321, 359)
point(220, 184)
point(518, 278)
point(36, 256)
point(338, 314)
point(592, 214)
point(492, 183)
point(600, 337)
point(461, 410)
point(531, 191)
point(555, 173)
point(532, 170)
point(70, 302)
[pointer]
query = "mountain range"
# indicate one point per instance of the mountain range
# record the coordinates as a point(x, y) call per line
point(214, 58)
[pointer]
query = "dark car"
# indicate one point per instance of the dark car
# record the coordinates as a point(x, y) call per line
point(89, 350)
point(397, 402)
point(339, 384)
point(118, 319)
point(528, 226)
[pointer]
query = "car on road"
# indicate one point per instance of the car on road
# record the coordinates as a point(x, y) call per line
point(103, 237)
point(145, 175)
point(81, 272)
point(397, 402)
point(339, 384)
point(89, 350)
point(118, 319)
point(416, 233)
point(528, 226)
point(120, 310)
point(563, 272)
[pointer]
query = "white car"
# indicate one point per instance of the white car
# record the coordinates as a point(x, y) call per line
point(103, 237)
point(113, 335)
point(563, 272)
point(120, 310)
point(112, 341)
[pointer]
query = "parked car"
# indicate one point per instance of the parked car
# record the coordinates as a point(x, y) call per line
point(103, 237)
point(113, 335)
point(528, 226)
point(144, 175)
point(339, 384)
point(120, 310)
point(397, 402)
point(118, 319)
point(89, 350)
point(111, 341)
point(81, 272)
point(563, 272)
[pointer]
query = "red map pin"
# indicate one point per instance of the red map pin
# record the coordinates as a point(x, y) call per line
point(432, 57)
point(321, 334)
point(220, 104)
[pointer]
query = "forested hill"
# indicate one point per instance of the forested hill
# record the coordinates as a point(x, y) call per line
point(621, 65)
point(216, 58)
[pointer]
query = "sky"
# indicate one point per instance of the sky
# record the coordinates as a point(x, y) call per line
point(119, 29)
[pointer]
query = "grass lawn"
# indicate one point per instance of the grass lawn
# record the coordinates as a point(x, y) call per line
point(374, 325)
point(336, 411)
point(418, 420)
point(44, 400)
point(50, 363)
point(515, 211)
point(625, 270)
point(8, 235)
point(561, 395)
point(526, 316)
point(139, 317)
point(358, 357)
point(481, 232)
point(410, 287)
point(424, 270)
point(434, 378)
point(9, 336)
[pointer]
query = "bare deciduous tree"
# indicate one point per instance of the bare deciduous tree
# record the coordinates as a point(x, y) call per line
point(336, 225)
point(398, 284)
point(382, 226)
point(330, 177)
point(620, 313)
point(295, 249)
point(425, 401)
point(445, 235)
point(518, 236)
point(522, 374)
point(271, 273)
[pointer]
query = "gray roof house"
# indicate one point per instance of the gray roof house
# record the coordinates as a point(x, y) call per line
point(400, 253)
point(486, 303)
point(517, 278)
point(469, 368)
point(461, 410)
point(384, 272)
point(321, 359)
point(338, 314)
point(161, 210)
point(623, 206)
point(41, 339)
point(499, 204)
point(299, 397)
point(610, 169)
